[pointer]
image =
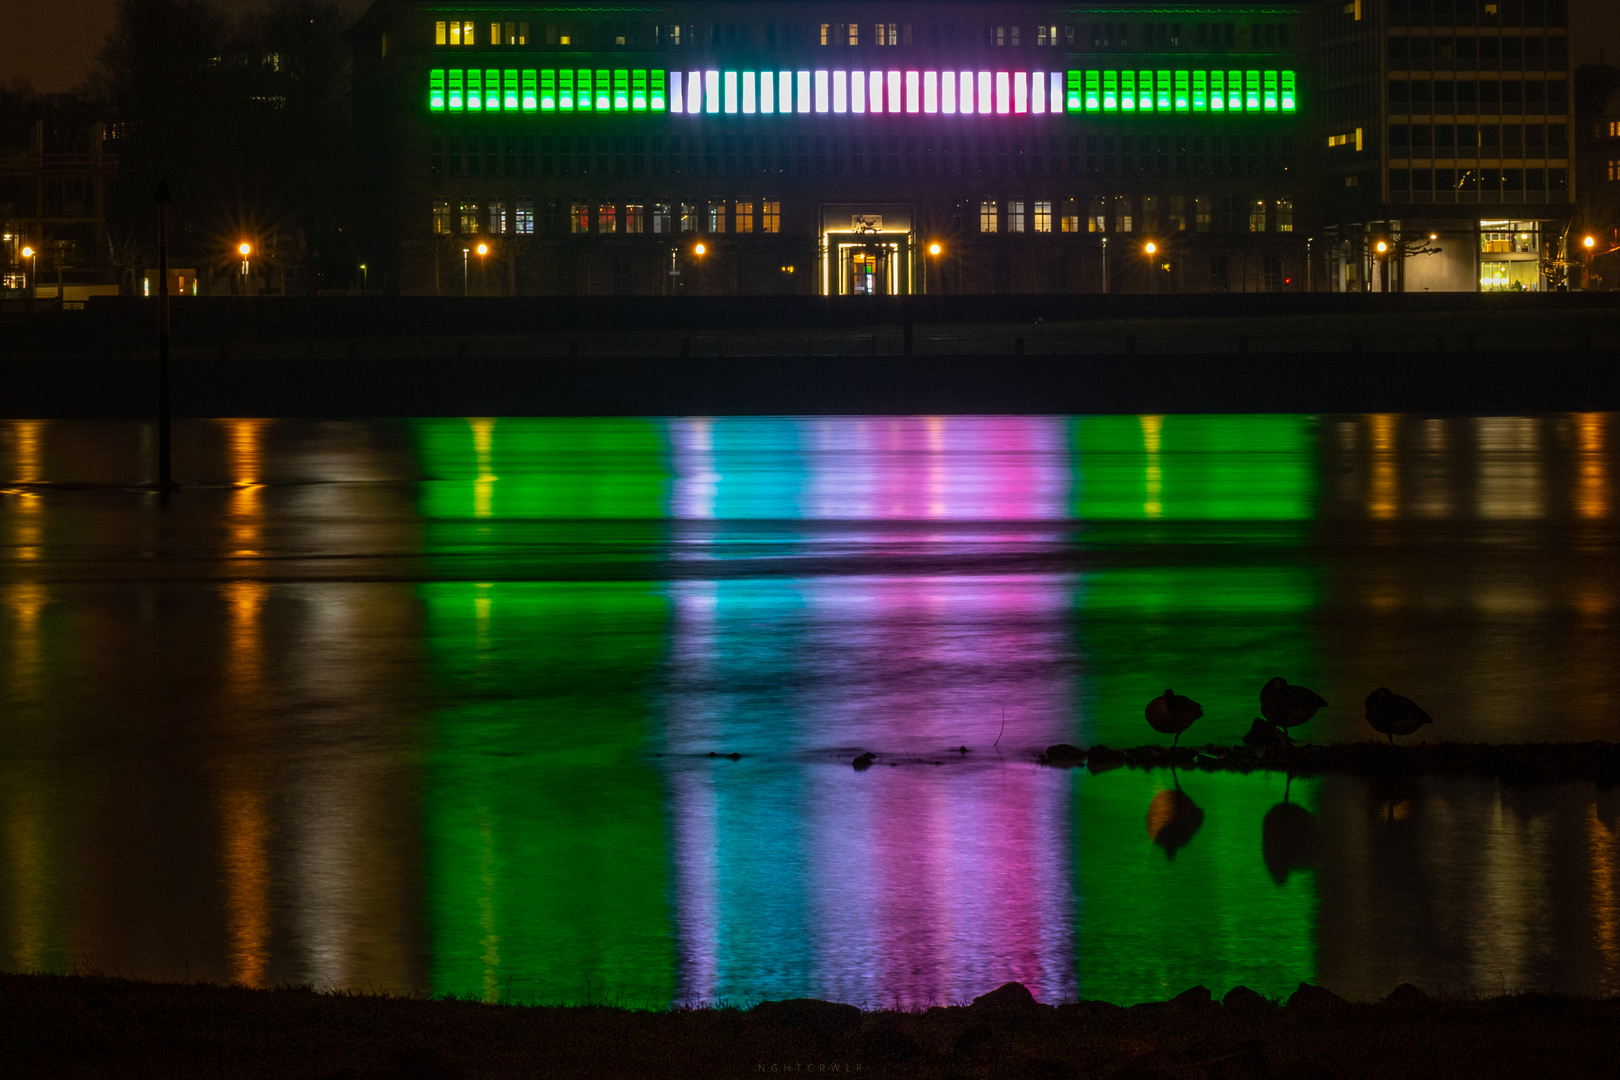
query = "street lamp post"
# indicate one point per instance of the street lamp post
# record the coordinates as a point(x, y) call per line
point(934, 250)
point(464, 253)
point(28, 284)
point(245, 249)
point(1587, 244)
point(1150, 249)
point(363, 277)
point(483, 278)
point(1383, 265)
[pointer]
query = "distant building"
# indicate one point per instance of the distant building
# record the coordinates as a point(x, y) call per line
point(717, 147)
point(1448, 129)
point(53, 201)
point(1598, 154)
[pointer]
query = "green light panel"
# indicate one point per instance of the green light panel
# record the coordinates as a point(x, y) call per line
point(1251, 91)
point(638, 91)
point(1110, 91)
point(1183, 91)
point(475, 91)
point(1162, 91)
point(1234, 91)
point(436, 90)
point(1144, 91)
point(1269, 95)
point(492, 91)
point(621, 90)
point(456, 83)
point(1287, 91)
point(1127, 91)
point(509, 89)
point(1200, 91)
point(1093, 95)
point(565, 90)
point(531, 93)
point(656, 102)
point(1217, 91)
point(583, 99)
point(604, 100)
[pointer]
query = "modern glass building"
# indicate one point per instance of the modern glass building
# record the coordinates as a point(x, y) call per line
point(1448, 129)
point(725, 148)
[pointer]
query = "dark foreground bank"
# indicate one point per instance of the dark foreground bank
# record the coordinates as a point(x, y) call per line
point(1429, 382)
point(87, 1026)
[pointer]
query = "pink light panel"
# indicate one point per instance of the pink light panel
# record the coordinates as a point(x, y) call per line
point(953, 93)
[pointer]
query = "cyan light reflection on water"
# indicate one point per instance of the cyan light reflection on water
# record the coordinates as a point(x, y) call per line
point(431, 705)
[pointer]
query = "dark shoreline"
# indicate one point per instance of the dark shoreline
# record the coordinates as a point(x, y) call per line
point(82, 1025)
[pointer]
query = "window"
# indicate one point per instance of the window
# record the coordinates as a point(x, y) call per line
point(745, 215)
point(826, 33)
point(717, 217)
point(525, 217)
point(1122, 213)
point(579, 218)
point(987, 217)
point(440, 34)
point(771, 216)
point(441, 216)
point(461, 33)
point(1339, 140)
point(1220, 273)
point(1614, 169)
point(1043, 217)
point(607, 219)
point(1285, 215)
point(661, 221)
point(1070, 219)
point(853, 32)
point(887, 33)
point(494, 33)
point(1001, 35)
point(689, 217)
point(1614, 129)
point(1272, 271)
point(1257, 215)
point(1015, 216)
point(1015, 35)
point(634, 219)
point(497, 217)
point(1096, 216)
point(1176, 213)
point(1203, 213)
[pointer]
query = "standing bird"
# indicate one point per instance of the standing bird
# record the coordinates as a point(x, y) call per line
point(1394, 715)
point(1286, 706)
point(1172, 714)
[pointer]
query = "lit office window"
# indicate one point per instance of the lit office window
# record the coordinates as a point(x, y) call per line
point(987, 217)
point(1069, 221)
point(440, 34)
point(745, 215)
point(1614, 170)
point(1176, 214)
point(525, 217)
point(1015, 216)
point(1043, 217)
point(607, 219)
point(441, 217)
point(1096, 216)
point(469, 218)
point(494, 33)
point(689, 217)
point(579, 217)
point(1257, 215)
point(497, 217)
point(662, 223)
point(717, 217)
point(455, 33)
point(770, 216)
point(1203, 213)
point(1123, 219)
point(1001, 35)
point(1285, 215)
point(826, 33)
point(1015, 35)
point(854, 34)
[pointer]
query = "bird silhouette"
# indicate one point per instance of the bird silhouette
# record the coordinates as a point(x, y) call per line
point(1286, 705)
point(1394, 715)
point(1172, 714)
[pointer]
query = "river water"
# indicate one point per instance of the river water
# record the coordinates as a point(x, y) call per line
point(427, 705)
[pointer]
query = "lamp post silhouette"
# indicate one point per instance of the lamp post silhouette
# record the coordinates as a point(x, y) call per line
point(1382, 248)
point(1587, 244)
point(934, 251)
point(33, 271)
point(1150, 249)
point(483, 279)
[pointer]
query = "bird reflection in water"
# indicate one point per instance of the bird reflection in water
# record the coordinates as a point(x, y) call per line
point(1173, 819)
point(1290, 838)
point(1395, 796)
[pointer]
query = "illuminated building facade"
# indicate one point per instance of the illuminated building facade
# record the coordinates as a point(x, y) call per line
point(722, 148)
point(1448, 141)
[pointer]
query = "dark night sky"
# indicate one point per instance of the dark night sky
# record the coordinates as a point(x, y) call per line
point(53, 45)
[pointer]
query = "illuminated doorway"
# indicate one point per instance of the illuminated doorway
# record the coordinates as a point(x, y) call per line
point(869, 269)
point(867, 250)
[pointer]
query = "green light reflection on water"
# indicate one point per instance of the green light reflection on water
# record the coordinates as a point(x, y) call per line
point(1152, 926)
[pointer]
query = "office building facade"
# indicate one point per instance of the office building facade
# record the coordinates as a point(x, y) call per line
point(1448, 158)
point(806, 148)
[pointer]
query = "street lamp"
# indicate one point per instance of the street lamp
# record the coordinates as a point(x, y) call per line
point(28, 253)
point(699, 250)
point(363, 277)
point(483, 278)
point(464, 252)
point(245, 249)
point(1383, 265)
point(1588, 242)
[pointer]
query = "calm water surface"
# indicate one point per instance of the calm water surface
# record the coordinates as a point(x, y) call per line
point(427, 704)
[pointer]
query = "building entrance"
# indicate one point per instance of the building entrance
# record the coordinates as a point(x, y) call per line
point(869, 269)
point(867, 250)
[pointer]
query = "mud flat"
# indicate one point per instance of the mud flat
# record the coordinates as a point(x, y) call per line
point(1515, 762)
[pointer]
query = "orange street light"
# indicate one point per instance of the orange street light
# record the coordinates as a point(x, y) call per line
point(934, 249)
point(1382, 247)
point(483, 249)
point(1151, 247)
point(1590, 243)
point(245, 248)
point(28, 253)
point(699, 249)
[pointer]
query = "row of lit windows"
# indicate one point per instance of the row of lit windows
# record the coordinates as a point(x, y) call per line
point(930, 92)
point(466, 33)
point(1147, 36)
point(516, 216)
point(1614, 169)
point(1484, 95)
point(1486, 140)
point(1149, 214)
point(927, 155)
point(1478, 12)
point(1614, 129)
point(1480, 181)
